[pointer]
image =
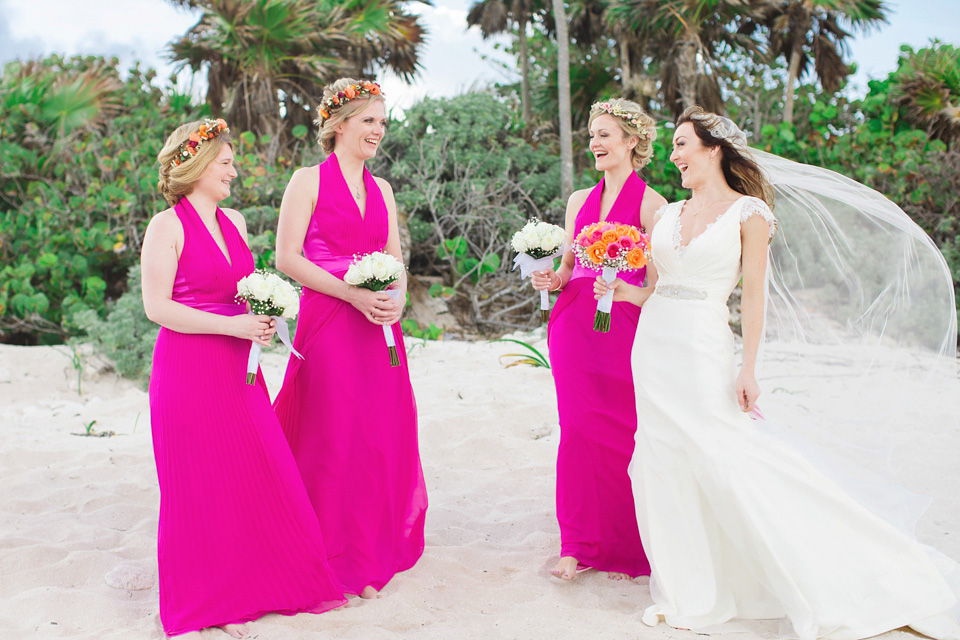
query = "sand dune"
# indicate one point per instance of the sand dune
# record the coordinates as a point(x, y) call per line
point(78, 514)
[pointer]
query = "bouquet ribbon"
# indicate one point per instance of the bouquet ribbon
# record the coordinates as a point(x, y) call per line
point(528, 264)
point(253, 359)
point(601, 321)
point(388, 332)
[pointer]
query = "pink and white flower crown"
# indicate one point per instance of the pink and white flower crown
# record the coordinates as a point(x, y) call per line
point(345, 95)
point(209, 130)
point(617, 111)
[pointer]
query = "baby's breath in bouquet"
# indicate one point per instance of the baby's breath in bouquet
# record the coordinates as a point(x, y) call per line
point(270, 295)
point(376, 271)
point(537, 244)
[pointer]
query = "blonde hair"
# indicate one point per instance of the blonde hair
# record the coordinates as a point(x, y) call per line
point(740, 170)
point(633, 121)
point(176, 181)
point(326, 134)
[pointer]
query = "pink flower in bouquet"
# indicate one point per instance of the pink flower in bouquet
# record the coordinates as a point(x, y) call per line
point(626, 243)
point(596, 236)
point(613, 250)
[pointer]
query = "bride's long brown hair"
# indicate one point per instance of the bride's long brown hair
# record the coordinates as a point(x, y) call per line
point(739, 169)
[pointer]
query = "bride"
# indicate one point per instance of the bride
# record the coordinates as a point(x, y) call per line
point(737, 521)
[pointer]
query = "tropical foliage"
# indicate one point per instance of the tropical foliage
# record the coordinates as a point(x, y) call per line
point(266, 61)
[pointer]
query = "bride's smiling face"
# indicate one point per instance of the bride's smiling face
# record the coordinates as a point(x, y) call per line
point(695, 161)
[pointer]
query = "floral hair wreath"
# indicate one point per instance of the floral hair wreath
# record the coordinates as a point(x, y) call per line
point(646, 133)
point(345, 95)
point(209, 130)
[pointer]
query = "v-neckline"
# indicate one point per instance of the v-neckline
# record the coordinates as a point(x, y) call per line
point(616, 200)
point(677, 226)
point(363, 181)
point(225, 250)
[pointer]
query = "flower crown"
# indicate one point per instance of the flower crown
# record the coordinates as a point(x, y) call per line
point(345, 95)
point(645, 132)
point(209, 130)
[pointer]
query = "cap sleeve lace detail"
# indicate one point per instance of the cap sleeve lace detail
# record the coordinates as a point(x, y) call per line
point(755, 206)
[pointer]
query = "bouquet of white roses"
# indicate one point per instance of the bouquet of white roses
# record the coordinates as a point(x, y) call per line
point(537, 244)
point(270, 295)
point(377, 271)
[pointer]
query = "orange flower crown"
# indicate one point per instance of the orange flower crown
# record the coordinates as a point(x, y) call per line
point(346, 95)
point(209, 130)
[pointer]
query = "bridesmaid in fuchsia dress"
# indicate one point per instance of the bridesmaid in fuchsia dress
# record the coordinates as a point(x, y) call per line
point(349, 416)
point(237, 536)
point(591, 370)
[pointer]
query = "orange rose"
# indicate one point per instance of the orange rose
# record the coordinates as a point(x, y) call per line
point(221, 123)
point(634, 234)
point(350, 93)
point(610, 236)
point(623, 230)
point(324, 114)
point(195, 137)
point(597, 252)
point(636, 258)
point(374, 89)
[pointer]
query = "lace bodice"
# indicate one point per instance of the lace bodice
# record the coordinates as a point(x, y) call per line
point(708, 267)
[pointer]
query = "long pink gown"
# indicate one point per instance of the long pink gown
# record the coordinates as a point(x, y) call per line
point(350, 417)
point(598, 417)
point(237, 537)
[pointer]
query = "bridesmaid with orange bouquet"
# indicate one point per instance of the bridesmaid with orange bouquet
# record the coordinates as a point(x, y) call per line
point(595, 400)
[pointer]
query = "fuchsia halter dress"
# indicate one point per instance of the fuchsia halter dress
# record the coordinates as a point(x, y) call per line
point(237, 536)
point(349, 416)
point(598, 417)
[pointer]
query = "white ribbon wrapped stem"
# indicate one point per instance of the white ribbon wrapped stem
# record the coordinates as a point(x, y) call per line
point(528, 264)
point(253, 359)
point(605, 303)
point(388, 332)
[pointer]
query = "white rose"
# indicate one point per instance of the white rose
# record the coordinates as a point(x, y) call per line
point(260, 289)
point(380, 269)
point(291, 310)
point(243, 287)
point(353, 275)
point(364, 270)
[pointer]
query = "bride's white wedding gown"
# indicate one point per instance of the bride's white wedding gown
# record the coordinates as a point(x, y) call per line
point(736, 522)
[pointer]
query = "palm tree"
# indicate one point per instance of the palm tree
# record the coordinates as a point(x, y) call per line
point(260, 54)
point(563, 86)
point(927, 87)
point(497, 16)
point(810, 30)
point(685, 35)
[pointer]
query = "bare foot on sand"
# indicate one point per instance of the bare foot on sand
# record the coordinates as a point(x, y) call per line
point(566, 569)
point(235, 630)
point(616, 575)
point(369, 593)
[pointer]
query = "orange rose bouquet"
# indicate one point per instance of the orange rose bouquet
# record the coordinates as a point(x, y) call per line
point(610, 247)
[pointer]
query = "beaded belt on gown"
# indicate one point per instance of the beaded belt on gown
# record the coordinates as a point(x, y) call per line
point(680, 292)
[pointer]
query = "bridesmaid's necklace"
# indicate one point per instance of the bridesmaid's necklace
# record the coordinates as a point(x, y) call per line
point(355, 189)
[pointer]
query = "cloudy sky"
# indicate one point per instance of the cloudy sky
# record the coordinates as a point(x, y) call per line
point(453, 59)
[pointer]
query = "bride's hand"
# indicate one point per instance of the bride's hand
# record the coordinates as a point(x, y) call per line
point(600, 287)
point(747, 391)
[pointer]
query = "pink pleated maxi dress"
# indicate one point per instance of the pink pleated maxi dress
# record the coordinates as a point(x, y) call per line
point(595, 401)
point(349, 416)
point(237, 536)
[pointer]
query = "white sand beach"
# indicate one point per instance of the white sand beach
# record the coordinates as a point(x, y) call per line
point(78, 515)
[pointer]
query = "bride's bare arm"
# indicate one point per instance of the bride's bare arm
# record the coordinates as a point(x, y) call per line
point(755, 236)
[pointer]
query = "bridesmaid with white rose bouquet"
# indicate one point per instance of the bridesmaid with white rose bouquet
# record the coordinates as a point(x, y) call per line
point(349, 416)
